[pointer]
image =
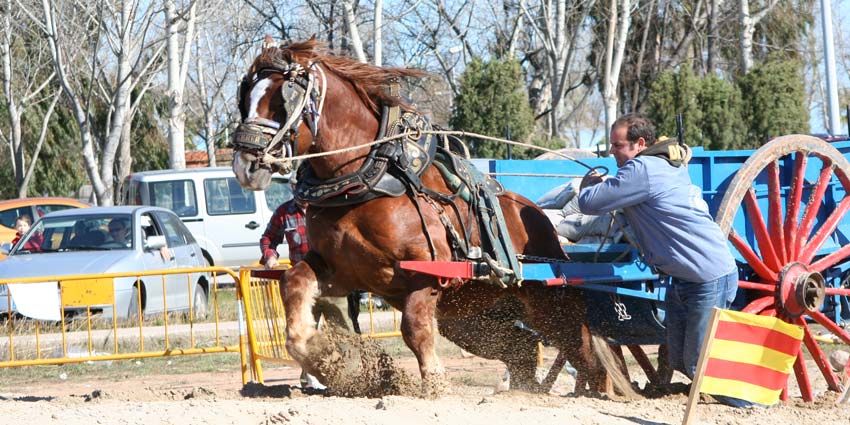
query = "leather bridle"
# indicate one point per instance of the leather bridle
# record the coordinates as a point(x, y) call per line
point(303, 101)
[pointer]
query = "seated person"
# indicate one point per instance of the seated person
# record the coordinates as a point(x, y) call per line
point(119, 231)
point(22, 226)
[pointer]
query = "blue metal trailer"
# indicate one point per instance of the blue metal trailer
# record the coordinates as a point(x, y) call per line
point(784, 208)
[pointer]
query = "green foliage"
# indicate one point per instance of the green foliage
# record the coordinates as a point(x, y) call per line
point(149, 149)
point(491, 99)
point(673, 93)
point(774, 101)
point(721, 125)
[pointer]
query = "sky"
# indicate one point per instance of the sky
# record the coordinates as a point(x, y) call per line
point(840, 19)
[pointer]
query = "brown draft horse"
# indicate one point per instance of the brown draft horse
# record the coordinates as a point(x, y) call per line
point(299, 99)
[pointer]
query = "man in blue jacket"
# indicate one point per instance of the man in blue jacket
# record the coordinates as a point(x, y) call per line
point(673, 230)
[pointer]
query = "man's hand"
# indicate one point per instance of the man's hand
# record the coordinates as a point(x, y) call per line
point(591, 179)
point(271, 263)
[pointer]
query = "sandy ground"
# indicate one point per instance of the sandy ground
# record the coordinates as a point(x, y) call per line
point(220, 398)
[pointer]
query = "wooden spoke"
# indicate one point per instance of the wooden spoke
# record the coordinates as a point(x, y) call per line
point(760, 230)
point(792, 204)
point(812, 209)
point(774, 212)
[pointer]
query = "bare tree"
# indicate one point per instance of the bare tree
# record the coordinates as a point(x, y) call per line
point(180, 24)
point(26, 82)
point(353, 32)
point(749, 20)
point(559, 32)
point(618, 31)
point(218, 61)
point(89, 72)
point(378, 32)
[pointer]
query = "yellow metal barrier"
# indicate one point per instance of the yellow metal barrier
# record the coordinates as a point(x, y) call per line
point(76, 338)
point(265, 321)
point(88, 326)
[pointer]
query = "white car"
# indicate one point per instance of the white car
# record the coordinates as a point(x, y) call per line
point(108, 240)
point(226, 219)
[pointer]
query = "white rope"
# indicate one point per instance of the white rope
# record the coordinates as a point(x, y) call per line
point(269, 159)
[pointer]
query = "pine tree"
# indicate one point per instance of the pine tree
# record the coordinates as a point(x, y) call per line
point(774, 101)
point(492, 100)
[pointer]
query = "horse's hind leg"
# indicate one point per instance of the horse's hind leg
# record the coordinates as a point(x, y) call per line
point(494, 334)
point(417, 329)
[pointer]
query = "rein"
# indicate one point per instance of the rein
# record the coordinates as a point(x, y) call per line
point(269, 159)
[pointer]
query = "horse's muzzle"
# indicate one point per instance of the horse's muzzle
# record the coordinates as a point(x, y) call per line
point(249, 176)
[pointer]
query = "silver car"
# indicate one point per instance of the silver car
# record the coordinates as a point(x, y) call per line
point(109, 240)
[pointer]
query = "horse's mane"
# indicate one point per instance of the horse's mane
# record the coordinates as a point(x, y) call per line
point(369, 81)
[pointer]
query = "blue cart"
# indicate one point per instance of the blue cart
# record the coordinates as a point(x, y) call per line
point(784, 208)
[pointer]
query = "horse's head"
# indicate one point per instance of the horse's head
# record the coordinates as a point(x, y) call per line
point(280, 102)
point(282, 98)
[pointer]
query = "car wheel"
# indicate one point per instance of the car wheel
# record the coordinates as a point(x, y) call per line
point(199, 303)
point(133, 309)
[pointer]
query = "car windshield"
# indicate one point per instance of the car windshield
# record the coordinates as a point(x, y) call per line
point(102, 232)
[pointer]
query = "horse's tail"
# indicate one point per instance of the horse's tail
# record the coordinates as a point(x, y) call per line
point(612, 365)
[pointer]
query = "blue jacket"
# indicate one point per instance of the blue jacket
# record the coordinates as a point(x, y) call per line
point(668, 217)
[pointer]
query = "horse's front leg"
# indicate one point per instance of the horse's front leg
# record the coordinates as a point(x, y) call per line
point(299, 289)
point(418, 331)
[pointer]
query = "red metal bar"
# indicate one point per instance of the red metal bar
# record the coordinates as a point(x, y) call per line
point(447, 269)
point(792, 204)
point(812, 209)
point(774, 212)
point(817, 355)
point(752, 259)
point(825, 231)
point(763, 238)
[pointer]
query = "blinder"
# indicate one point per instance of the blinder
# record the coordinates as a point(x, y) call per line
point(300, 96)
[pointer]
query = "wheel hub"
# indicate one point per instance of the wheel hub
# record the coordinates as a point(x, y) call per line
point(800, 290)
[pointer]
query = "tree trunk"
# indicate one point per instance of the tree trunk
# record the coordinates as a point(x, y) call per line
point(713, 36)
point(748, 27)
point(353, 32)
point(178, 58)
point(379, 22)
point(614, 53)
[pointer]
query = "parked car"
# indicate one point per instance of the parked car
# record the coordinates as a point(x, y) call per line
point(226, 219)
point(34, 208)
point(110, 240)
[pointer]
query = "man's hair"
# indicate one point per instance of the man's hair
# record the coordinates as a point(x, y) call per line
point(125, 223)
point(25, 218)
point(637, 126)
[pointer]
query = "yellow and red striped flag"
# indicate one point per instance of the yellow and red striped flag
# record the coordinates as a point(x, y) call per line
point(749, 356)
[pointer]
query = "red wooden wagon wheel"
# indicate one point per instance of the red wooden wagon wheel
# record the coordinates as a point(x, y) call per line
point(789, 269)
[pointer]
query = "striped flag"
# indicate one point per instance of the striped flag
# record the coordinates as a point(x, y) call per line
point(748, 356)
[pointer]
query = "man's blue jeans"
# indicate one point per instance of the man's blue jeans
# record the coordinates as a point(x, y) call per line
point(687, 312)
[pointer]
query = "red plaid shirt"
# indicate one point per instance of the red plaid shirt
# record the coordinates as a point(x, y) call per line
point(287, 222)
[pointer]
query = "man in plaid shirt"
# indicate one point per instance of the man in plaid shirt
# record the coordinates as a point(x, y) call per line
point(288, 222)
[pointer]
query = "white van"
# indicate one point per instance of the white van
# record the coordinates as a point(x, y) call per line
point(226, 219)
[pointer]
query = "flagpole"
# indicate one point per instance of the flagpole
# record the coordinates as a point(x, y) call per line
point(693, 397)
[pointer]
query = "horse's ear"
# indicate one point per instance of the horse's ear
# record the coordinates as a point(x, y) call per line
point(268, 43)
point(243, 89)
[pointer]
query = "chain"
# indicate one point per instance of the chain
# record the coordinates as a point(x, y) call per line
point(536, 259)
point(620, 308)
